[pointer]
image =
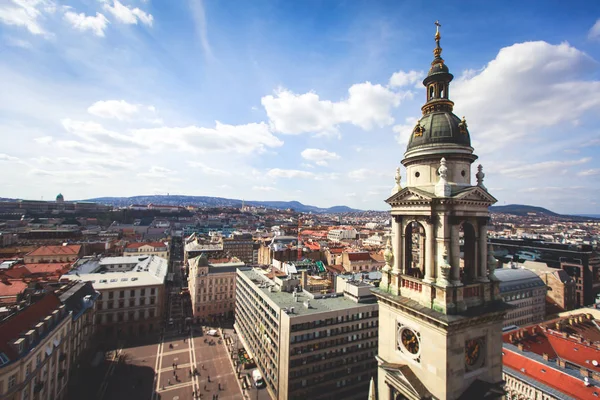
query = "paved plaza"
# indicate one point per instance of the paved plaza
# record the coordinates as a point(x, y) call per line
point(147, 371)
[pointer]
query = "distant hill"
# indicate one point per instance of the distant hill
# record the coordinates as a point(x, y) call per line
point(523, 210)
point(207, 201)
point(520, 209)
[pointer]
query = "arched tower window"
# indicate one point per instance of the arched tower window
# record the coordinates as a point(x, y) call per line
point(414, 262)
point(442, 92)
point(468, 262)
point(431, 92)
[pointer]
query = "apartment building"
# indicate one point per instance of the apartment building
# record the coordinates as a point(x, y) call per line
point(359, 261)
point(525, 290)
point(561, 289)
point(211, 285)
point(240, 246)
point(34, 350)
point(53, 254)
point(79, 298)
point(337, 235)
point(132, 291)
point(158, 249)
point(306, 345)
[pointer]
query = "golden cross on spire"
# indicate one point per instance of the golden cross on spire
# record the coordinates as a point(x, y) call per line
point(437, 30)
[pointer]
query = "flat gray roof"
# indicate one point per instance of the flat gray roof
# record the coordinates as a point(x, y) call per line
point(333, 301)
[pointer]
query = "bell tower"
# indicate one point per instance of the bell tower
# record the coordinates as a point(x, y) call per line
point(440, 312)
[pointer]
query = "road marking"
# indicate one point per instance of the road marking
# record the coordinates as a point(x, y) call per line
point(178, 366)
point(169, 353)
point(193, 360)
point(157, 366)
point(172, 387)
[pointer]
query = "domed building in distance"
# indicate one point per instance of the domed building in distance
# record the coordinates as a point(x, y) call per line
point(60, 198)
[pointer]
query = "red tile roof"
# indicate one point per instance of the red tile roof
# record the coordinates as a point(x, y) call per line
point(362, 256)
point(68, 250)
point(11, 287)
point(338, 269)
point(11, 328)
point(552, 376)
point(47, 268)
point(337, 250)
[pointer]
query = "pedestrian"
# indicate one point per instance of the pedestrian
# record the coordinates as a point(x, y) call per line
point(168, 381)
point(209, 378)
point(174, 373)
point(205, 389)
point(173, 365)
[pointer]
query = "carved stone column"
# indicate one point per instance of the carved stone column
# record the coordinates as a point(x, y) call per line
point(455, 253)
point(397, 234)
point(430, 272)
point(483, 256)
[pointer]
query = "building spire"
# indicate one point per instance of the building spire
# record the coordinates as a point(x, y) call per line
point(437, 52)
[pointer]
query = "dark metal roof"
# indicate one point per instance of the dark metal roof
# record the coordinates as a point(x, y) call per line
point(439, 127)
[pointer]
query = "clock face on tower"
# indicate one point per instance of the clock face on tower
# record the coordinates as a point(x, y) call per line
point(409, 342)
point(474, 353)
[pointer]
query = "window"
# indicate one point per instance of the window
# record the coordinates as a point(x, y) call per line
point(132, 293)
point(28, 370)
point(152, 313)
point(12, 381)
point(142, 302)
point(143, 292)
point(121, 294)
point(151, 300)
point(153, 291)
point(131, 303)
point(111, 295)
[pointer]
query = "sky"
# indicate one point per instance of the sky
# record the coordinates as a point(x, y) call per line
point(292, 100)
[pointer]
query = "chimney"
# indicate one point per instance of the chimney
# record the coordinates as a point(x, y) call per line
point(511, 338)
point(560, 363)
point(546, 356)
point(520, 346)
point(565, 335)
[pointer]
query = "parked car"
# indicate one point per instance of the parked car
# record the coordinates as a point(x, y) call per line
point(212, 332)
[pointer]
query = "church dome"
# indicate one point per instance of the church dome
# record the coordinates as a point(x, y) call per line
point(439, 127)
point(60, 198)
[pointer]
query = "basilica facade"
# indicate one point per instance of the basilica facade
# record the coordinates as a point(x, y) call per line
point(440, 311)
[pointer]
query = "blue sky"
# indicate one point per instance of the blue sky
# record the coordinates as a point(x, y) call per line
point(292, 100)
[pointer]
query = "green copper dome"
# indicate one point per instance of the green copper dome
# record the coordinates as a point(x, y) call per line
point(438, 125)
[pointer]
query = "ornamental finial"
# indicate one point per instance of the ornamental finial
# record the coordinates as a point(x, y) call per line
point(397, 178)
point(437, 52)
point(480, 175)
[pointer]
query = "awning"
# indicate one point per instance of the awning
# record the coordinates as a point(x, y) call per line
point(49, 350)
point(56, 342)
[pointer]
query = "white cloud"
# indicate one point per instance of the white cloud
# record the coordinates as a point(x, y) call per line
point(590, 172)
point(241, 139)
point(401, 78)
point(264, 188)
point(594, 32)
point(289, 173)
point(84, 22)
point(527, 87)
point(92, 148)
point(367, 106)
point(43, 139)
point(92, 131)
point(208, 170)
point(128, 15)
point(157, 172)
point(199, 16)
point(117, 109)
point(404, 131)
point(532, 170)
point(6, 157)
point(16, 42)
point(26, 13)
point(69, 174)
point(362, 174)
point(318, 156)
